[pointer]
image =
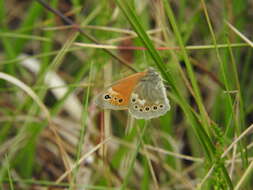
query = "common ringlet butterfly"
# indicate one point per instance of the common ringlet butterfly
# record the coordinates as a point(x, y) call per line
point(143, 94)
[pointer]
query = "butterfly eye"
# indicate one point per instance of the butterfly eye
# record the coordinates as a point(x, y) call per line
point(154, 108)
point(107, 96)
point(133, 100)
point(136, 107)
point(120, 100)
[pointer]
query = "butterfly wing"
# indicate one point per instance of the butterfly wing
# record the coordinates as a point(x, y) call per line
point(117, 95)
point(149, 99)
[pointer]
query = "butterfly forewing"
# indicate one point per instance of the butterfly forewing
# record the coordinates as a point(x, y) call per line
point(117, 95)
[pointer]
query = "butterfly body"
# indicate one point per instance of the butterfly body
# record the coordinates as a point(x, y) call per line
point(143, 94)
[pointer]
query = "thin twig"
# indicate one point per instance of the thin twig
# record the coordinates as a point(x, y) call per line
point(77, 27)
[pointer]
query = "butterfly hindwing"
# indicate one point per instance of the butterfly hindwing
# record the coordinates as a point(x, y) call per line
point(148, 99)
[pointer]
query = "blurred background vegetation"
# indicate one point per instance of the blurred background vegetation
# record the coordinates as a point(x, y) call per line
point(53, 136)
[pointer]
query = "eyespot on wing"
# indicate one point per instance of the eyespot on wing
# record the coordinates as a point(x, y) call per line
point(109, 100)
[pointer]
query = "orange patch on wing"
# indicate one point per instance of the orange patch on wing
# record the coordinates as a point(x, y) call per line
point(125, 86)
point(117, 100)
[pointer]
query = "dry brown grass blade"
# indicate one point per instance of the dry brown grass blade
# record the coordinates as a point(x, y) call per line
point(44, 109)
point(243, 134)
point(244, 38)
point(82, 159)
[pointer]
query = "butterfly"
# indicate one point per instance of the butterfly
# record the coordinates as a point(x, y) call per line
point(143, 94)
